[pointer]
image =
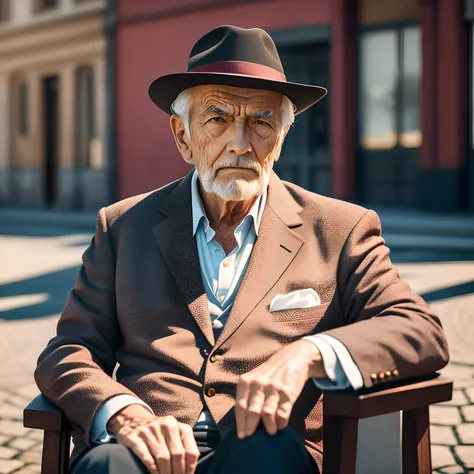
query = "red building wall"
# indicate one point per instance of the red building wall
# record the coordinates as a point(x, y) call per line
point(154, 40)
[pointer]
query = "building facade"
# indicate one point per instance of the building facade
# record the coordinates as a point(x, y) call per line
point(53, 104)
point(394, 129)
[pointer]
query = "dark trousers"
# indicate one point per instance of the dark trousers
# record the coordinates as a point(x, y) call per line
point(261, 453)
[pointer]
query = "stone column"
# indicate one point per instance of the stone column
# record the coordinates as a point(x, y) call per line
point(343, 97)
point(68, 180)
point(5, 137)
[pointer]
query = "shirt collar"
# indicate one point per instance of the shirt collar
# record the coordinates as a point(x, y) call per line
point(199, 212)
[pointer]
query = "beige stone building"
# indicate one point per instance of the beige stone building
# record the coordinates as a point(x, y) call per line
point(53, 104)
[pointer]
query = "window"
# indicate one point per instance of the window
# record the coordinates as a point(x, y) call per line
point(23, 108)
point(46, 4)
point(4, 11)
point(390, 88)
point(85, 123)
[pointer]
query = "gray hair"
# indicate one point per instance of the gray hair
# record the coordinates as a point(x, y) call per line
point(182, 106)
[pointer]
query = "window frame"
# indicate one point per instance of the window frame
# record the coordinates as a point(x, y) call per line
point(39, 7)
point(398, 27)
point(5, 11)
point(22, 121)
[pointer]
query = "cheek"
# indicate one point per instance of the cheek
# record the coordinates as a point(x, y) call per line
point(265, 150)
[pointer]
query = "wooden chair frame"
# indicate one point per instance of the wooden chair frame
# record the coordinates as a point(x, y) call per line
point(342, 411)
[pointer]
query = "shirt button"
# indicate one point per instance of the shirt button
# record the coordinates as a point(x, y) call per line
point(226, 263)
point(211, 392)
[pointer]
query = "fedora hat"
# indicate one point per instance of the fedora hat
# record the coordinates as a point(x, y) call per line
point(239, 57)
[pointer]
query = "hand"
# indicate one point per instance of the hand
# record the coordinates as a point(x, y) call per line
point(269, 392)
point(163, 445)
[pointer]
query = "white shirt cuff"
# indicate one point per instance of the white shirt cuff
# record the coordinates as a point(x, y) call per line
point(99, 433)
point(339, 366)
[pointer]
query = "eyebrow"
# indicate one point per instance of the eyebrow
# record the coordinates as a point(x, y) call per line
point(265, 114)
point(217, 110)
point(221, 112)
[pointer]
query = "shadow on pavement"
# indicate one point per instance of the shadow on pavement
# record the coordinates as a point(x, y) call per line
point(55, 284)
point(450, 292)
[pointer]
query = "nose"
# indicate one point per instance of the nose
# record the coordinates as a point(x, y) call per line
point(238, 140)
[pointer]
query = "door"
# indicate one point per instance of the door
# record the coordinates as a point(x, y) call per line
point(389, 115)
point(51, 135)
point(305, 156)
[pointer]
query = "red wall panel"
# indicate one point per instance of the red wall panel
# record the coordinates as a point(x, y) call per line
point(147, 156)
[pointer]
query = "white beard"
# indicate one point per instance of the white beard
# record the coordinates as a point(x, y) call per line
point(234, 189)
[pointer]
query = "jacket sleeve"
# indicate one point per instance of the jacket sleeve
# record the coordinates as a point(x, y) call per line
point(390, 332)
point(75, 370)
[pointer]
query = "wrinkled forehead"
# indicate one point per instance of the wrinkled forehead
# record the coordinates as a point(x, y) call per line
point(236, 100)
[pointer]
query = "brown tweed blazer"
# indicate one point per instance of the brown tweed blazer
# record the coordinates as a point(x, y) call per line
point(139, 301)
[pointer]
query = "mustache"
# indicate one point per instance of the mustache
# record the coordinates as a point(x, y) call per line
point(239, 161)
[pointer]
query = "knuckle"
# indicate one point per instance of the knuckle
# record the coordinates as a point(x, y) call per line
point(163, 457)
point(177, 454)
point(268, 412)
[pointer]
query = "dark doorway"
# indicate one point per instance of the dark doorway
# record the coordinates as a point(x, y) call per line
point(305, 155)
point(51, 134)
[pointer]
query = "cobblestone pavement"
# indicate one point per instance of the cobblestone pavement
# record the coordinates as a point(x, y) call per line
point(37, 270)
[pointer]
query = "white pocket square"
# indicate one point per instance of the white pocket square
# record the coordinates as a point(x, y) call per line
point(306, 298)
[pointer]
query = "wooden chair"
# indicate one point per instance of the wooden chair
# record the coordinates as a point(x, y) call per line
point(342, 412)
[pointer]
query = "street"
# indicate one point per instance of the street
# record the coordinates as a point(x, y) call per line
point(38, 266)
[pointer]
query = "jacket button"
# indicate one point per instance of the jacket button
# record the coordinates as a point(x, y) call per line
point(374, 376)
point(395, 372)
point(211, 392)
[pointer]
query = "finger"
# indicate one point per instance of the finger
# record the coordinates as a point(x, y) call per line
point(161, 453)
point(241, 399)
point(172, 436)
point(269, 412)
point(254, 408)
point(141, 450)
point(191, 449)
point(283, 414)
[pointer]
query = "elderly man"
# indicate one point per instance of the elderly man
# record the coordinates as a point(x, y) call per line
point(229, 299)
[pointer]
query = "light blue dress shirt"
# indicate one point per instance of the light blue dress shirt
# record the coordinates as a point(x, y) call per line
point(222, 275)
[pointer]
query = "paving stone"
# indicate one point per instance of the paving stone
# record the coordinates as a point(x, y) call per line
point(466, 433)
point(9, 465)
point(7, 453)
point(36, 468)
point(470, 394)
point(27, 470)
point(31, 456)
point(459, 399)
point(442, 435)
point(38, 447)
point(28, 392)
point(35, 434)
point(12, 428)
point(443, 415)
point(18, 401)
point(4, 439)
point(448, 470)
point(468, 412)
point(22, 444)
point(11, 412)
point(466, 455)
point(464, 383)
point(441, 456)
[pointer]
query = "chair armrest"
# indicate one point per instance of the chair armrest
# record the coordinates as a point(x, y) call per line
point(41, 414)
point(405, 395)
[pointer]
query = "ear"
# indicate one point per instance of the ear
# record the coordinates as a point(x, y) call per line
point(282, 139)
point(180, 137)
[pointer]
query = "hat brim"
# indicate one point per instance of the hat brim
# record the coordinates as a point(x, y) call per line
point(164, 90)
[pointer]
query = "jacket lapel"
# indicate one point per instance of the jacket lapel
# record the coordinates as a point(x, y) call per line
point(177, 244)
point(275, 248)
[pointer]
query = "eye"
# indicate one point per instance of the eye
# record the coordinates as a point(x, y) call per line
point(262, 122)
point(217, 120)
